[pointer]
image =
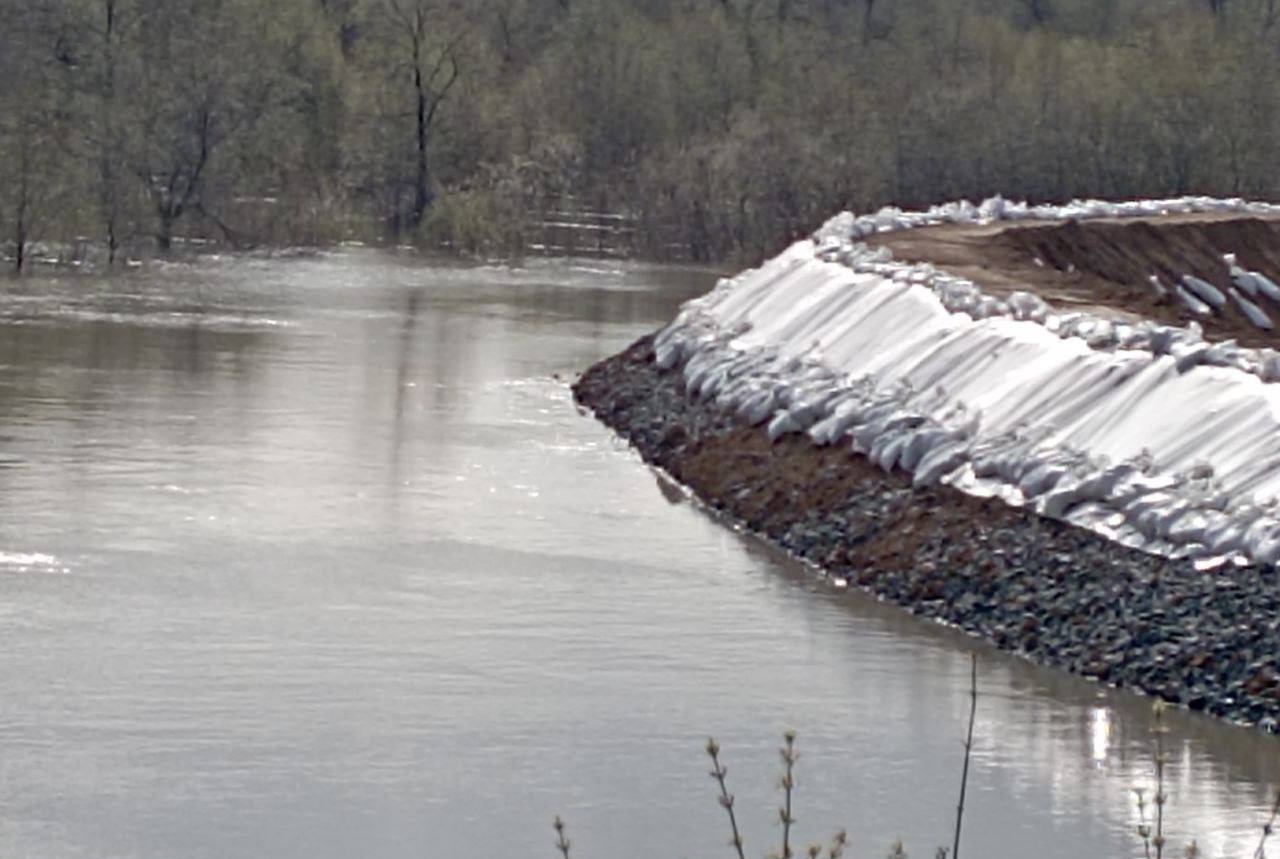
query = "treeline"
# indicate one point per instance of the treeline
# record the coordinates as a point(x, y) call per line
point(718, 127)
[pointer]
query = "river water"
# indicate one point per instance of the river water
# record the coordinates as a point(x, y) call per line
point(313, 556)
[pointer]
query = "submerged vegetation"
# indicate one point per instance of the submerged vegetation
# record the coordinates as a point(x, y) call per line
point(708, 128)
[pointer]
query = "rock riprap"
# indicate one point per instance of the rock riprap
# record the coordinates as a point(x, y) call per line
point(1061, 595)
point(1095, 493)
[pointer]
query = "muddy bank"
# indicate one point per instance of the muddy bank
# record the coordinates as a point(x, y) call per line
point(1104, 265)
point(1058, 594)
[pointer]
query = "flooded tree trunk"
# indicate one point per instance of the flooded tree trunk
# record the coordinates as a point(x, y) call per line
point(20, 250)
point(164, 232)
point(110, 141)
point(422, 177)
point(22, 215)
point(435, 71)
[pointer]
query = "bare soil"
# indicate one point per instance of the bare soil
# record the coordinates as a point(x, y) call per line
point(1103, 266)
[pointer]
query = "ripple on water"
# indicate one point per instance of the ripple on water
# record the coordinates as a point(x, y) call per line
point(31, 562)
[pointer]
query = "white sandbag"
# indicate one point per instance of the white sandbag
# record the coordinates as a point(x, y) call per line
point(1205, 291)
point(1193, 303)
point(1255, 313)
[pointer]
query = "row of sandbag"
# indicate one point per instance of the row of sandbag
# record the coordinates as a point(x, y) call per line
point(1246, 290)
point(772, 376)
point(1186, 343)
point(853, 227)
point(1200, 296)
point(1180, 514)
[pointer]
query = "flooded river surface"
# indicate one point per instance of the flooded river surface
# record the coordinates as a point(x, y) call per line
point(314, 557)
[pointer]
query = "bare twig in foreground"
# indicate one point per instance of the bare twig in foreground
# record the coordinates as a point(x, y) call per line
point(718, 772)
point(968, 750)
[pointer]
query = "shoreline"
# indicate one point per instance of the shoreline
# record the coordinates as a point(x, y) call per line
point(1057, 594)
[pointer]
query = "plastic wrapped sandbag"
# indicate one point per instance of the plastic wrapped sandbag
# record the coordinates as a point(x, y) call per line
point(1255, 313)
point(1205, 291)
point(1193, 303)
point(1266, 286)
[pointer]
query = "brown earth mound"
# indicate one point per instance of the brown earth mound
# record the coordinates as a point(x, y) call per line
point(1103, 266)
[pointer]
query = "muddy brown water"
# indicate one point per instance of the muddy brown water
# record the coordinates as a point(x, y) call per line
point(314, 557)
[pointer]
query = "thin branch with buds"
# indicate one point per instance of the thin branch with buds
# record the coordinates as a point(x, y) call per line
point(1144, 828)
point(1159, 730)
point(718, 772)
point(562, 840)
point(968, 750)
point(1267, 829)
point(789, 756)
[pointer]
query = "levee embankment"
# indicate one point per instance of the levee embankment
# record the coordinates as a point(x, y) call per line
point(992, 471)
point(1061, 595)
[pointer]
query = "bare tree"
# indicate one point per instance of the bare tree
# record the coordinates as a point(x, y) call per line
point(1040, 11)
point(105, 137)
point(427, 36)
point(34, 124)
point(203, 81)
point(27, 185)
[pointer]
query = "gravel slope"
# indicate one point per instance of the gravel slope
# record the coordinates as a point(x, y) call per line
point(1060, 595)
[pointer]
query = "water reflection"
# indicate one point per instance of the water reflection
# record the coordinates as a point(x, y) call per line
point(671, 491)
point(403, 383)
point(71, 353)
point(1100, 733)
